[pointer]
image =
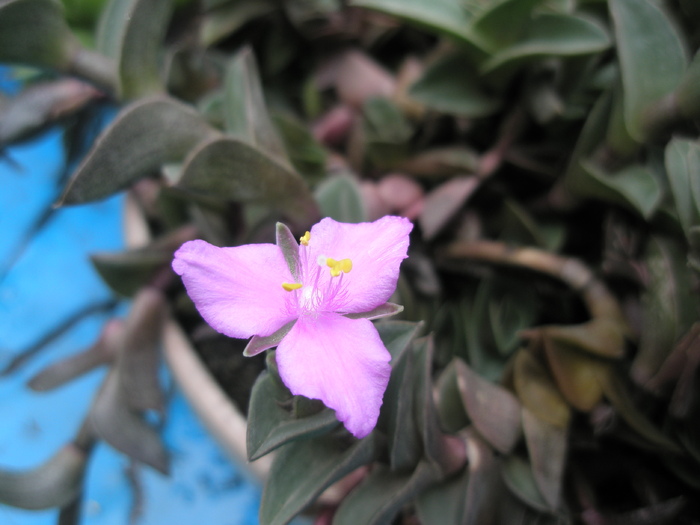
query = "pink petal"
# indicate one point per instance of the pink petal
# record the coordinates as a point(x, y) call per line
point(340, 361)
point(376, 250)
point(237, 290)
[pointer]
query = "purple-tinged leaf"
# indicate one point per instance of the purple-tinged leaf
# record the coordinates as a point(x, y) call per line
point(380, 497)
point(125, 430)
point(102, 352)
point(53, 484)
point(494, 411)
point(302, 470)
point(442, 203)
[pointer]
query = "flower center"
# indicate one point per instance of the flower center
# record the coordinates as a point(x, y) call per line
point(316, 291)
point(337, 267)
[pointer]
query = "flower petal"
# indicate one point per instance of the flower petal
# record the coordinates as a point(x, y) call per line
point(237, 290)
point(376, 250)
point(340, 361)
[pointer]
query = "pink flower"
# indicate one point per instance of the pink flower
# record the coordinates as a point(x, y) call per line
point(314, 301)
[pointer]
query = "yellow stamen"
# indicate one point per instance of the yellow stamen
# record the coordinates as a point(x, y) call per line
point(344, 265)
point(304, 239)
point(291, 286)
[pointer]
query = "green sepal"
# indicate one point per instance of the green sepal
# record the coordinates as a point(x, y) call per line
point(258, 344)
point(384, 310)
point(290, 249)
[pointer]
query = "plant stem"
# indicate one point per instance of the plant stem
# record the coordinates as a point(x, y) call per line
point(600, 302)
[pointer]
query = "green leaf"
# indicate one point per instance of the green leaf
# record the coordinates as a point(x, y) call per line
point(577, 374)
point(444, 503)
point(471, 497)
point(521, 228)
point(384, 310)
point(396, 335)
point(139, 352)
point(289, 247)
point(307, 155)
point(448, 402)
point(552, 35)
point(386, 130)
point(621, 398)
point(111, 26)
point(245, 112)
point(576, 179)
point(142, 44)
point(227, 169)
point(303, 469)
point(424, 406)
point(687, 94)
point(54, 484)
point(651, 55)
point(270, 425)
point(144, 136)
point(602, 336)
point(517, 474)
point(397, 415)
point(634, 186)
point(132, 32)
point(537, 391)
point(446, 17)
point(682, 167)
point(547, 446)
point(485, 488)
point(123, 428)
point(227, 18)
point(494, 411)
point(462, 95)
point(127, 272)
point(510, 310)
point(501, 25)
point(380, 497)
point(34, 32)
point(339, 198)
point(310, 13)
point(669, 306)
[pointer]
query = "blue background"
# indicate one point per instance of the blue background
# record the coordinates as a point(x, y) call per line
point(45, 276)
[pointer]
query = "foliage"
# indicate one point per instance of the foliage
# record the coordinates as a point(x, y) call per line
point(547, 151)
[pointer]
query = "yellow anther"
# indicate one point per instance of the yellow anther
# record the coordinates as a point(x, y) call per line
point(304, 239)
point(344, 265)
point(291, 286)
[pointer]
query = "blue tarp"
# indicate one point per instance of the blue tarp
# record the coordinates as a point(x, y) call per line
point(45, 276)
